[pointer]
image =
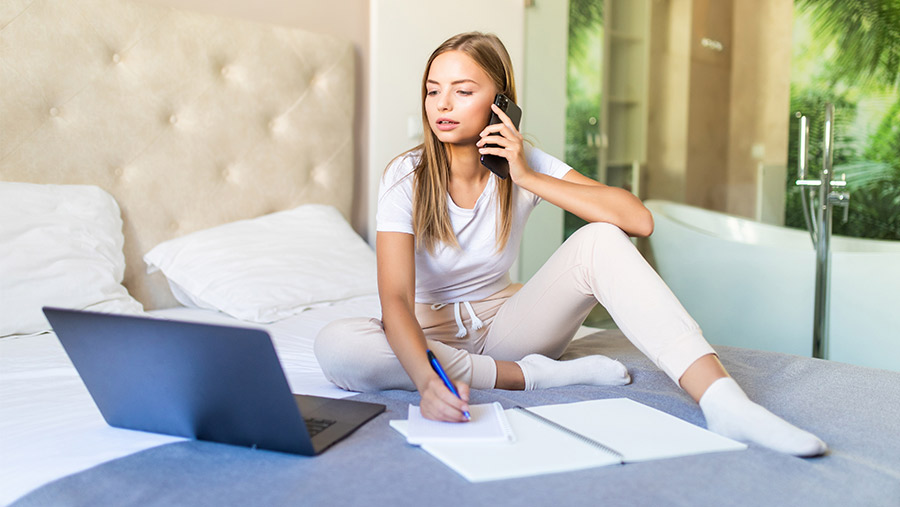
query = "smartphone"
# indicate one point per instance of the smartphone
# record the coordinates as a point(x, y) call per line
point(499, 165)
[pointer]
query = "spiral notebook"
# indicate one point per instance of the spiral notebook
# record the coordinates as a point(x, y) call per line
point(575, 436)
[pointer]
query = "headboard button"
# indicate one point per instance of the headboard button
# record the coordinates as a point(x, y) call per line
point(173, 119)
point(54, 112)
point(224, 71)
point(116, 58)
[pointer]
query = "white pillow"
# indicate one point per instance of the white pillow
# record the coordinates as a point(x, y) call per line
point(268, 268)
point(60, 245)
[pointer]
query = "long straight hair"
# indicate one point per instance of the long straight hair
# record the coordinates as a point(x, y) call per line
point(431, 217)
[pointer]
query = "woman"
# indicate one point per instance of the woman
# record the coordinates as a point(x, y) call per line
point(448, 232)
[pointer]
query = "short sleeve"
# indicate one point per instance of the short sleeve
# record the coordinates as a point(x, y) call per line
point(545, 163)
point(394, 212)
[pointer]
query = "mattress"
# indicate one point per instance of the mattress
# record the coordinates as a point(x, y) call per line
point(50, 427)
point(56, 449)
point(854, 409)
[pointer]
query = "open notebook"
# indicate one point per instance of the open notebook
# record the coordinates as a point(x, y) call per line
point(627, 431)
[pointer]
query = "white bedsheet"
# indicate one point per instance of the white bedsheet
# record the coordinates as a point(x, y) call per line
point(50, 427)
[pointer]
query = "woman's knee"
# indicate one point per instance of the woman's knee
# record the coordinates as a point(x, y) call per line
point(349, 353)
point(603, 242)
point(335, 346)
point(599, 230)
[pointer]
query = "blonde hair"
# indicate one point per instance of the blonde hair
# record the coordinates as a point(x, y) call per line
point(431, 218)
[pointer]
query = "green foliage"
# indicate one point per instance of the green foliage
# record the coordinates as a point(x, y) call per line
point(874, 202)
point(874, 183)
point(585, 22)
point(859, 41)
point(873, 212)
point(885, 144)
point(811, 103)
point(584, 17)
point(580, 153)
point(866, 37)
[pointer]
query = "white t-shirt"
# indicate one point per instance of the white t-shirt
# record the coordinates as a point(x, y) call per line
point(475, 270)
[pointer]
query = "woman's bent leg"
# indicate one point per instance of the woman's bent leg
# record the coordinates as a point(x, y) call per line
point(355, 355)
point(597, 263)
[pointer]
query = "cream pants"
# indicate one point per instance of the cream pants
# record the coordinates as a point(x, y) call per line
point(596, 264)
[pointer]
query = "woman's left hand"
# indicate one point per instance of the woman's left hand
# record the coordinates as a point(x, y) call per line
point(509, 145)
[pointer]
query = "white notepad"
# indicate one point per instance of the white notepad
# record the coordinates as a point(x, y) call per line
point(638, 432)
point(488, 424)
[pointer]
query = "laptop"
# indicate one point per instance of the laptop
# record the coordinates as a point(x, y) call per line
point(200, 381)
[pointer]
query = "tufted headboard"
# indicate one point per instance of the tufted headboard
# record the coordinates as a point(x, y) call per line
point(188, 120)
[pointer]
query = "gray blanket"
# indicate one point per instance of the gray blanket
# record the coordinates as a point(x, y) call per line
point(855, 410)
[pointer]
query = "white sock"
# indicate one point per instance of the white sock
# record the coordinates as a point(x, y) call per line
point(729, 412)
point(542, 372)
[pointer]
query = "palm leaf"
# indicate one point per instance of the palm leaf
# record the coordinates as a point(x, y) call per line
point(865, 36)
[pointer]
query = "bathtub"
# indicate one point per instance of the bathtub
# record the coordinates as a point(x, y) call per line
point(752, 285)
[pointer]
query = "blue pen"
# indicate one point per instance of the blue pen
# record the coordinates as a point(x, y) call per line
point(440, 371)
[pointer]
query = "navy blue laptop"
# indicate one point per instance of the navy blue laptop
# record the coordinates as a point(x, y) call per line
point(201, 381)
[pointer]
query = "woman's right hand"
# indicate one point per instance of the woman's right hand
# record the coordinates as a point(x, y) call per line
point(439, 404)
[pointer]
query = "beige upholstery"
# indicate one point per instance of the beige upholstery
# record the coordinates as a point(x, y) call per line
point(188, 120)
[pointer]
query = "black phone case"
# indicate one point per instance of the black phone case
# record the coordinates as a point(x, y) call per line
point(499, 165)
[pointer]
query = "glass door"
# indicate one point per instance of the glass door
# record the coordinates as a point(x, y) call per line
point(584, 87)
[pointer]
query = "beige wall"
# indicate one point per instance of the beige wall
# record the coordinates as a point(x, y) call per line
point(709, 105)
point(667, 129)
point(716, 116)
point(344, 18)
point(760, 104)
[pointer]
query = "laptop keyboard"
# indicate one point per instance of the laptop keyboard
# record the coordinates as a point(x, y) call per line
point(314, 426)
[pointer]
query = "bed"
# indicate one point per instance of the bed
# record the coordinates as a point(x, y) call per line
point(135, 136)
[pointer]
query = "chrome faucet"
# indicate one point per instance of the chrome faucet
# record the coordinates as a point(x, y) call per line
point(818, 220)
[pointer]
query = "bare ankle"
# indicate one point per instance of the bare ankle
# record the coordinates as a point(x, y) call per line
point(701, 374)
point(509, 376)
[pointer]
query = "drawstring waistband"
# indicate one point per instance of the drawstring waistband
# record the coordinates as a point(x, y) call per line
point(476, 322)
